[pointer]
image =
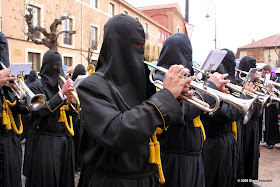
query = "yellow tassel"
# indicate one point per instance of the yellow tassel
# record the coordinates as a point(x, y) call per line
point(197, 123)
point(8, 118)
point(8, 126)
point(63, 119)
point(152, 152)
point(234, 128)
point(157, 154)
point(4, 117)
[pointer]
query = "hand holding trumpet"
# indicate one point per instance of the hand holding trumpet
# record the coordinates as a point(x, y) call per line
point(4, 77)
point(177, 82)
point(219, 81)
point(68, 87)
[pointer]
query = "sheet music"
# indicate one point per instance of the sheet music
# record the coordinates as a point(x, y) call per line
point(20, 69)
point(251, 73)
point(213, 60)
point(78, 80)
point(266, 79)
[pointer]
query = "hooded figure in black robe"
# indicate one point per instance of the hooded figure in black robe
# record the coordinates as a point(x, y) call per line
point(119, 112)
point(26, 118)
point(79, 70)
point(248, 136)
point(269, 120)
point(219, 149)
point(50, 155)
point(31, 77)
point(181, 144)
point(10, 148)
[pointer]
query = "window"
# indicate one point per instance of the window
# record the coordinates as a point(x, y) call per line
point(125, 12)
point(35, 58)
point(146, 28)
point(93, 37)
point(67, 26)
point(111, 9)
point(36, 19)
point(159, 34)
point(162, 36)
point(68, 61)
point(93, 3)
point(178, 30)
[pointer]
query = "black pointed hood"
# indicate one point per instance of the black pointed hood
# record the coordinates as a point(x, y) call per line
point(246, 63)
point(48, 72)
point(4, 51)
point(229, 65)
point(177, 49)
point(120, 61)
point(79, 70)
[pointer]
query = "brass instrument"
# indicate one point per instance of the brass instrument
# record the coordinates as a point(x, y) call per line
point(77, 107)
point(34, 102)
point(192, 100)
point(244, 105)
point(90, 69)
point(272, 83)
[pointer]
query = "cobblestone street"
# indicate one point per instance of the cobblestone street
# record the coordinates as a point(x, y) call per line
point(269, 169)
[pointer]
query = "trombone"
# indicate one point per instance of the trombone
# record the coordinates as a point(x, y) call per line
point(244, 105)
point(77, 107)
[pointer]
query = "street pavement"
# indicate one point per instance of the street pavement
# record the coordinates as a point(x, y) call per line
point(269, 167)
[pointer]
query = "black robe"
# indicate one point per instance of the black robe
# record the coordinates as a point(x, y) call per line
point(118, 136)
point(271, 127)
point(219, 150)
point(10, 148)
point(248, 136)
point(182, 147)
point(50, 159)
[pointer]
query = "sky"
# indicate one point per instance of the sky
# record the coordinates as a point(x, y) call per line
point(238, 22)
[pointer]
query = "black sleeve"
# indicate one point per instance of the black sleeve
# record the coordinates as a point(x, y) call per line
point(118, 131)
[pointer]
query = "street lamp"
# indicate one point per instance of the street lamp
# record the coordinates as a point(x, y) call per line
point(208, 16)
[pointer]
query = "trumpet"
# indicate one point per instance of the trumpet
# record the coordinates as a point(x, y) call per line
point(34, 102)
point(272, 83)
point(77, 107)
point(244, 105)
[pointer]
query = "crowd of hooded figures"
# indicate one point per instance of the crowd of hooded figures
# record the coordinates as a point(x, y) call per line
point(119, 130)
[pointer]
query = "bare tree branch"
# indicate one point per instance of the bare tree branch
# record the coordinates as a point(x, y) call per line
point(50, 38)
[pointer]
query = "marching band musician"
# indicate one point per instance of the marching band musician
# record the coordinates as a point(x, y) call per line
point(182, 143)
point(10, 124)
point(78, 70)
point(270, 117)
point(120, 111)
point(219, 149)
point(248, 137)
point(51, 161)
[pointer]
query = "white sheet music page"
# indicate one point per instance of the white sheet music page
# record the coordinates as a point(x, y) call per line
point(20, 69)
point(78, 80)
point(213, 60)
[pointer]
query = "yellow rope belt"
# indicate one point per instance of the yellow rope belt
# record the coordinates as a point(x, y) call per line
point(8, 118)
point(64, 120)
point(155, 154)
